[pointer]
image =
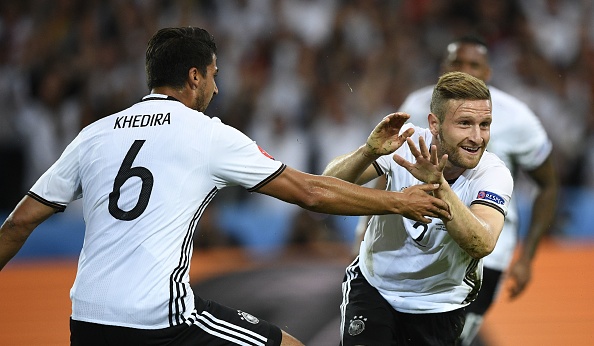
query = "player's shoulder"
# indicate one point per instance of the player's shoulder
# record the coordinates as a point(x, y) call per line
point(491, 161)
point(507, 103)
point(512, 116)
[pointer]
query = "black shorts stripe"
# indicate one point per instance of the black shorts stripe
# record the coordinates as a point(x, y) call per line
point(59, 207)
point(350, 274)
point(228, 331)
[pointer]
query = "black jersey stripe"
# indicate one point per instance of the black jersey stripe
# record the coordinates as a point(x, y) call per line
point(60, 207)
point(377, 167)
point(186, 257)
point(496, 207)
point(270, 177)
point(185, 261)
point(177, 290)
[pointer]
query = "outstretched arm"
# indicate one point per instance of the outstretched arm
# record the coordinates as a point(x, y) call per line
point(379, 183)
point(334, 196)
point(542, 217)
point(15, 230)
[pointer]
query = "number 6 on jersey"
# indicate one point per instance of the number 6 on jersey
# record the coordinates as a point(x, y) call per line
point(126, 172)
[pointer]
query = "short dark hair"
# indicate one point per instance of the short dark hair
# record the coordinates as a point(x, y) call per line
point(466, 39)
point(172, 52)
point(471, 39)
point(456, 86)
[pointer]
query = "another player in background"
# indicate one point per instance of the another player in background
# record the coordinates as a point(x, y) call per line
point(411, 281)
point(520, 140)
point(145, 176)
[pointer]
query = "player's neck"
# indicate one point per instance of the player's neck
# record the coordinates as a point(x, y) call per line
point(180, 94)
point(451, 172)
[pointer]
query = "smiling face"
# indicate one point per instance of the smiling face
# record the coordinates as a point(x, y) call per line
point(463, 134)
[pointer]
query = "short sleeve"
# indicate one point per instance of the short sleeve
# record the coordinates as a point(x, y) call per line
point(61, 183)
point(235, 159)
point(493, 185)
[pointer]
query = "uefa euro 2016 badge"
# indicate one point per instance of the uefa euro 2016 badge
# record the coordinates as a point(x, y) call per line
point(490, 196)
point(250, 318)
point(357, 325)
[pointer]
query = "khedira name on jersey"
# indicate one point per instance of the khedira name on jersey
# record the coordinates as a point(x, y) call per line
point(142, 120)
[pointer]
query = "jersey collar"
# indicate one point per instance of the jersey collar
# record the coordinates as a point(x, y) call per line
point(152, 97)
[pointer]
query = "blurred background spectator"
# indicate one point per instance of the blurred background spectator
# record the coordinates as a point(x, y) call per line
point(306, 79)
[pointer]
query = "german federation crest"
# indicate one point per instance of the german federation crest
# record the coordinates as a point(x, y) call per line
point(250, 318)
point(357, 325)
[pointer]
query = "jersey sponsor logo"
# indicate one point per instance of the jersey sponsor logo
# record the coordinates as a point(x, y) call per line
point(357, 325)
point(247, 317)
point(265, 153)
point(142, 120)
point(490, 196)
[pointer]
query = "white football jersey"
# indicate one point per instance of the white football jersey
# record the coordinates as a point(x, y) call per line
point(517, 137)
point(146, 174)
point(419, 268)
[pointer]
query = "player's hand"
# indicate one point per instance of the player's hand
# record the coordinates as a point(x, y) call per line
point(520, 274)
point(385, 137)
point(427, 168)
point(420, 204)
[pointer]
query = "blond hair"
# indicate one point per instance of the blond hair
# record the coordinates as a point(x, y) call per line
point(456, 86)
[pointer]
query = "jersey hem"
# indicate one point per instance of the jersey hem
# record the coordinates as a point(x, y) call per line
point(269, 179)
point(499, 209)
point(59, 207)
point(125, 325)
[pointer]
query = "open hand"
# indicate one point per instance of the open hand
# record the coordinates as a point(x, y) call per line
point(385, 138)
point(427, 168)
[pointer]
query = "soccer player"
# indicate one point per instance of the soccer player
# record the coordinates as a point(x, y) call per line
point(145, 176)
point(519, 139)
point(411, 280)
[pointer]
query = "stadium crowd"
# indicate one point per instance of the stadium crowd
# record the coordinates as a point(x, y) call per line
point(306, 79)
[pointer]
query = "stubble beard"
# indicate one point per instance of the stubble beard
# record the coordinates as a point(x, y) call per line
point(455, 158)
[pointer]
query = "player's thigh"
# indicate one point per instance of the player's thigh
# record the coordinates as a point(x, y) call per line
point(366, 317)
point(94, 334)
point(212, 324)
point(217, 324)
point(436, 329)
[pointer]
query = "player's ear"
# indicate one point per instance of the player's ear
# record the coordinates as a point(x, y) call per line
point(434, 123)
point(194, 77)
